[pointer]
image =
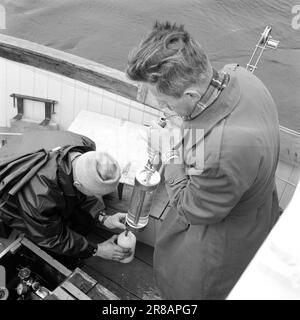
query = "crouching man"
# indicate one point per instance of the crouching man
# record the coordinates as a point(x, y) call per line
point(51, 186)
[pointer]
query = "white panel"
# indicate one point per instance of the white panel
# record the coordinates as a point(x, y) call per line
point(55, 93)
point(287, 196)
point(67, 102)
point(2, 93)
point(136, 112)
point(40, 91)
point(95, 99)
point(295, 175)
point(27, 88)
point(122, 109)
point(280, 187)
point(12, 86)
point(109, 103)
point(284, 170)
point(81, 97)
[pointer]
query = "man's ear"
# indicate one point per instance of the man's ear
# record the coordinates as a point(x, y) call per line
point(192, 94)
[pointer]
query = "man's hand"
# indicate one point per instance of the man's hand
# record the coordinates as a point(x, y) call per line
point(109, 250)
point(115, 221)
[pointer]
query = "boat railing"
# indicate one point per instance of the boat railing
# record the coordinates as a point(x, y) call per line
point(289, 131)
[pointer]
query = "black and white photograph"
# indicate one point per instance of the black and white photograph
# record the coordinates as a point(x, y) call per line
point(149, 151)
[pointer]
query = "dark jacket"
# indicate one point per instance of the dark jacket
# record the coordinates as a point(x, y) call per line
point(37, 195)
point(221, 213)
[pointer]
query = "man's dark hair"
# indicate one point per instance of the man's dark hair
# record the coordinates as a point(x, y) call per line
point(169, 58)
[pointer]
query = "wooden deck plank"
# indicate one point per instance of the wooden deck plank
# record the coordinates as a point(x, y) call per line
point(112, 286)
point(59, 294)
point(82, 280)
point(74, 291)
point(89, 286)
point(135, 277)
point(101, 293)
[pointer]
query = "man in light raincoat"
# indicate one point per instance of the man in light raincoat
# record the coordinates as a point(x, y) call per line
point(222, 208)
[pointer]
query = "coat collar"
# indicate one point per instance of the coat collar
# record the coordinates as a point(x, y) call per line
point(65, 169)
point(220, 109)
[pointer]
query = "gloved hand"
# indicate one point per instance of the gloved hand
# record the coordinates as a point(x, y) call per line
point(115, 221)
point(109, 250)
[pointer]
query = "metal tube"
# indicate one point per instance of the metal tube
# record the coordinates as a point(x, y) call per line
point(145, 181)
point(138, 201)
point(136, 217)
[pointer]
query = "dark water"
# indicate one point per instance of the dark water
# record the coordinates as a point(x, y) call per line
point(106, 30)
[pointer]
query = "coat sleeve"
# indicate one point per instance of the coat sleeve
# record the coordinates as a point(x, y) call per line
point(39, 207)
point(206, 198)
point(93, 207)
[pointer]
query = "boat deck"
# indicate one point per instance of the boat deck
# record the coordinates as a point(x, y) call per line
point(132, 281)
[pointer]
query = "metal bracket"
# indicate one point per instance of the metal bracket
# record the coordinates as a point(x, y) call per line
point(20, 107)
point(49, 107)
point(265, 41)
